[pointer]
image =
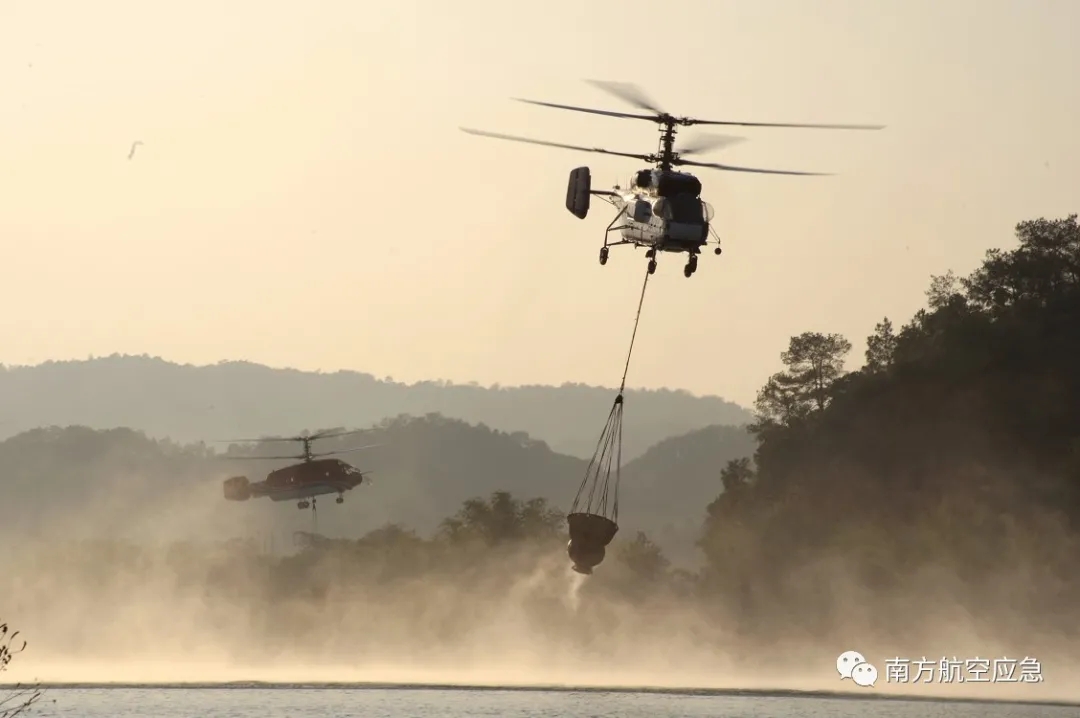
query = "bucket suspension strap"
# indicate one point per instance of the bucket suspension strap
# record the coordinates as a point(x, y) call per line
point(595, 489)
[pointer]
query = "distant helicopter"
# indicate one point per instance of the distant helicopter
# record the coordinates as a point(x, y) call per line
point(313, 476)
point(662, 206)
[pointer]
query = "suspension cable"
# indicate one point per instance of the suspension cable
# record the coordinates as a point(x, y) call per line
point(633, 336)
point(608, 454)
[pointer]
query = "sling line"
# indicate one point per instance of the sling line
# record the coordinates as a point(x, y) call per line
point(609, 447)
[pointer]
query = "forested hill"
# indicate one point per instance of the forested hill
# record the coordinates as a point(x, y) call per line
point(946, 471)
point(201, 403)
point(120, 482)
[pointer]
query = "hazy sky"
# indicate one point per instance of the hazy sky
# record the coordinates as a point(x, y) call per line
point(304, 196)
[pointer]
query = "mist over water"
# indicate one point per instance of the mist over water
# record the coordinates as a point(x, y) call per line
point(163, 610)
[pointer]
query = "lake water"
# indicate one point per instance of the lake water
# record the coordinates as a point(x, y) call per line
point(298, 701)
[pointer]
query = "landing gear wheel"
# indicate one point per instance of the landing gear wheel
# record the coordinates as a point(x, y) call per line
point(718, 250)
point(652, 266)
point(651, 253)
point(303, 505)
point(339, 500)
point(691, 266)
point(603, 255)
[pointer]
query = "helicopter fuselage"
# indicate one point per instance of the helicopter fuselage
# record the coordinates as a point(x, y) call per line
point(310, 489)
point(297, 482)
point(648, 221)
point(661, 211)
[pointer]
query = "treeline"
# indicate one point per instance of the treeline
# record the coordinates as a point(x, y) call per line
point(75, 481)
point(945, 470)
point(493, 574)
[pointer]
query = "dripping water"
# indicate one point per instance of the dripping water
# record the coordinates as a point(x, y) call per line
point(573, 590)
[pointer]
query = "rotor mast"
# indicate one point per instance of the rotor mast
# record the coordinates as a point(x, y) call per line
point(667, 154)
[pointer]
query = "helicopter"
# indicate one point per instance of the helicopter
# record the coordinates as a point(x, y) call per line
point(314, 476)
point(662, 209)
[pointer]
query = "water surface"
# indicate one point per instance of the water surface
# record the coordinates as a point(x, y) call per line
point(299, 701)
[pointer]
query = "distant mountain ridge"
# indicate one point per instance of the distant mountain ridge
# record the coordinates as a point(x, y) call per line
point(75, 481)
point(235, 399)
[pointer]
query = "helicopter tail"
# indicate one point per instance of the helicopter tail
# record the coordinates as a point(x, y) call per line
point(237, 488)
point(578, 191)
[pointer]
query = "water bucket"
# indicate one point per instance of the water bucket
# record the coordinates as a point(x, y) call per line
point(589, 536)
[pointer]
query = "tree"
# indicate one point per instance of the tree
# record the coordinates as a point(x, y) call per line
point(1046, 263)
point(390, 536)
point(736, 475)
point(880, 347)
point(308, 540)
point(644, 559)
point(814, 361)
point(20, 698)
point(502, 519)
point(943, 287)
point(538, 520)
point(737, 478)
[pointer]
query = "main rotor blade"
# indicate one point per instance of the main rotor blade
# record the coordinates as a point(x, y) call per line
point(608, 113)
point(732, 168)
point(309, 437)
point(329, 434)
point(514, 138)
point(346, 451)
point(627, 92)
point(258, 441)
point(706, 142)
point(262, 458)
point(692, 121)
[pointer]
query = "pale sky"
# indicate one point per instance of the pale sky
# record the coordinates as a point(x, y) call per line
point(304, 198)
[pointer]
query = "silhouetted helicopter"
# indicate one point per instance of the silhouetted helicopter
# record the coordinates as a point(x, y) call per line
point(662, 207)
point(313, 476)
